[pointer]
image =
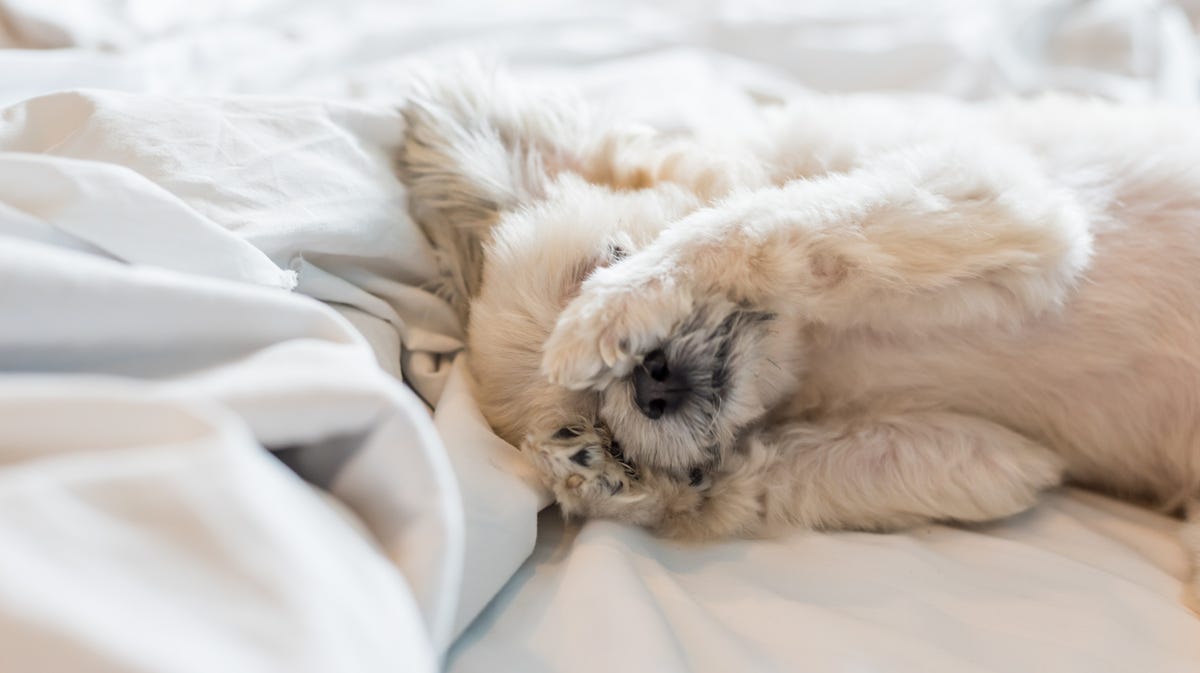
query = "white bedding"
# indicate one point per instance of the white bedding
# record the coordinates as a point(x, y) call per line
point(202, 252)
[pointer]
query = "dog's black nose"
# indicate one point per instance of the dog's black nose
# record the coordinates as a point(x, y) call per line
point(657, 387)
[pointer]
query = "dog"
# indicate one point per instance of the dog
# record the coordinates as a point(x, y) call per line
point(860, 313)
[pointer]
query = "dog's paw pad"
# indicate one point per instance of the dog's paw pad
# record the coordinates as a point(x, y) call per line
point(583, 468)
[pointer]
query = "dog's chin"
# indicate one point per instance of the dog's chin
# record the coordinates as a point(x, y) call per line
point(727, 351)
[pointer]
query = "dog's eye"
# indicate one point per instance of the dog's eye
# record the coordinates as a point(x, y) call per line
point(617, 253)
point(695, 476)
point(567, 433)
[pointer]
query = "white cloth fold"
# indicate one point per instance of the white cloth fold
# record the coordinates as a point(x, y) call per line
point(156, 240)
point(156, 535)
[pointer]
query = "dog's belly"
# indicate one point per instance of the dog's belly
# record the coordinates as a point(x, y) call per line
point(1112, 382)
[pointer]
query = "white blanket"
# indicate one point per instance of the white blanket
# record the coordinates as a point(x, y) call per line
point(203, 252)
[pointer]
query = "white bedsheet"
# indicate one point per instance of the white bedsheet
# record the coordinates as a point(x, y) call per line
point(202, 251)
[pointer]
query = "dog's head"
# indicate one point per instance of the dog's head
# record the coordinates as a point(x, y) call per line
point(523, 204)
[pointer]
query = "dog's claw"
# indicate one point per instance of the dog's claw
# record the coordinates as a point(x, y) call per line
point(610, 353)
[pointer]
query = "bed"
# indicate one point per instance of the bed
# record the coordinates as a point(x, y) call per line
point(204, 252)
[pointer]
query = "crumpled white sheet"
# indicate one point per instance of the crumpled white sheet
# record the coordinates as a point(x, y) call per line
point(147, 530)
point(154, 217)
point(155, 239)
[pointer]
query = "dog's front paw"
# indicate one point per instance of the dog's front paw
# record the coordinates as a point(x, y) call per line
point(586, 472)
point(615, 320)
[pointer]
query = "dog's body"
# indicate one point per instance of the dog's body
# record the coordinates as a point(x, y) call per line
point(862, 314)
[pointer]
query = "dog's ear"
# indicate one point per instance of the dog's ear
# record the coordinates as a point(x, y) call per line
point(476, 146)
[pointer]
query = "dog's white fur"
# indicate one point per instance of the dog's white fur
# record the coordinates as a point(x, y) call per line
point(929, 310)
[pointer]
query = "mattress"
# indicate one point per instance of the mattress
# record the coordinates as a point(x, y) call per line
point(204, 252)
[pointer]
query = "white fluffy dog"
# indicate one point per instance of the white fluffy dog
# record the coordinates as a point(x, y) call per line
point(862, 313)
